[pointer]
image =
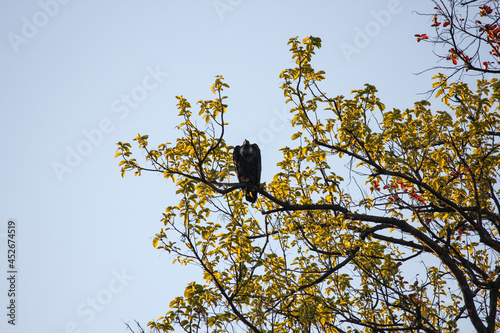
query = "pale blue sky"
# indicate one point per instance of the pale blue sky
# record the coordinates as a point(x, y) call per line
point(78, 76)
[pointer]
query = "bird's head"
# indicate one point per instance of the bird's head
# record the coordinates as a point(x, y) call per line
point(246, 143)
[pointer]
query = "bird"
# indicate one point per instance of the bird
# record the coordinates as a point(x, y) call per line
point(247, 162)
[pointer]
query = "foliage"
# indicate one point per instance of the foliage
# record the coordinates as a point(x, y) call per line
point(417, 250)
point(469, 33)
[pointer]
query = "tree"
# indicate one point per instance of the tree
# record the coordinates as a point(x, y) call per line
point(417, 249)
point(468, 32)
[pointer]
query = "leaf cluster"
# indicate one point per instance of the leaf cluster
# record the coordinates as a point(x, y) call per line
point(468, 34)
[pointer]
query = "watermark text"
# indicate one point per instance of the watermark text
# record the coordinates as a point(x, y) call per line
point(364, 36)
point(11, 272)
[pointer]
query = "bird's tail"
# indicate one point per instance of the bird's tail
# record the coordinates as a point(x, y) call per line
point(251, 195)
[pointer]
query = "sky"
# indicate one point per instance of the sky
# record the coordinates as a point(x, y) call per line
point(79, 76)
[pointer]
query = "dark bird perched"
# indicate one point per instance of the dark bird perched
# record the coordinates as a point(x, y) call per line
point(246, 159)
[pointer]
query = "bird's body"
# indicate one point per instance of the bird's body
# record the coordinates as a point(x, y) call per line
point(246, 159)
